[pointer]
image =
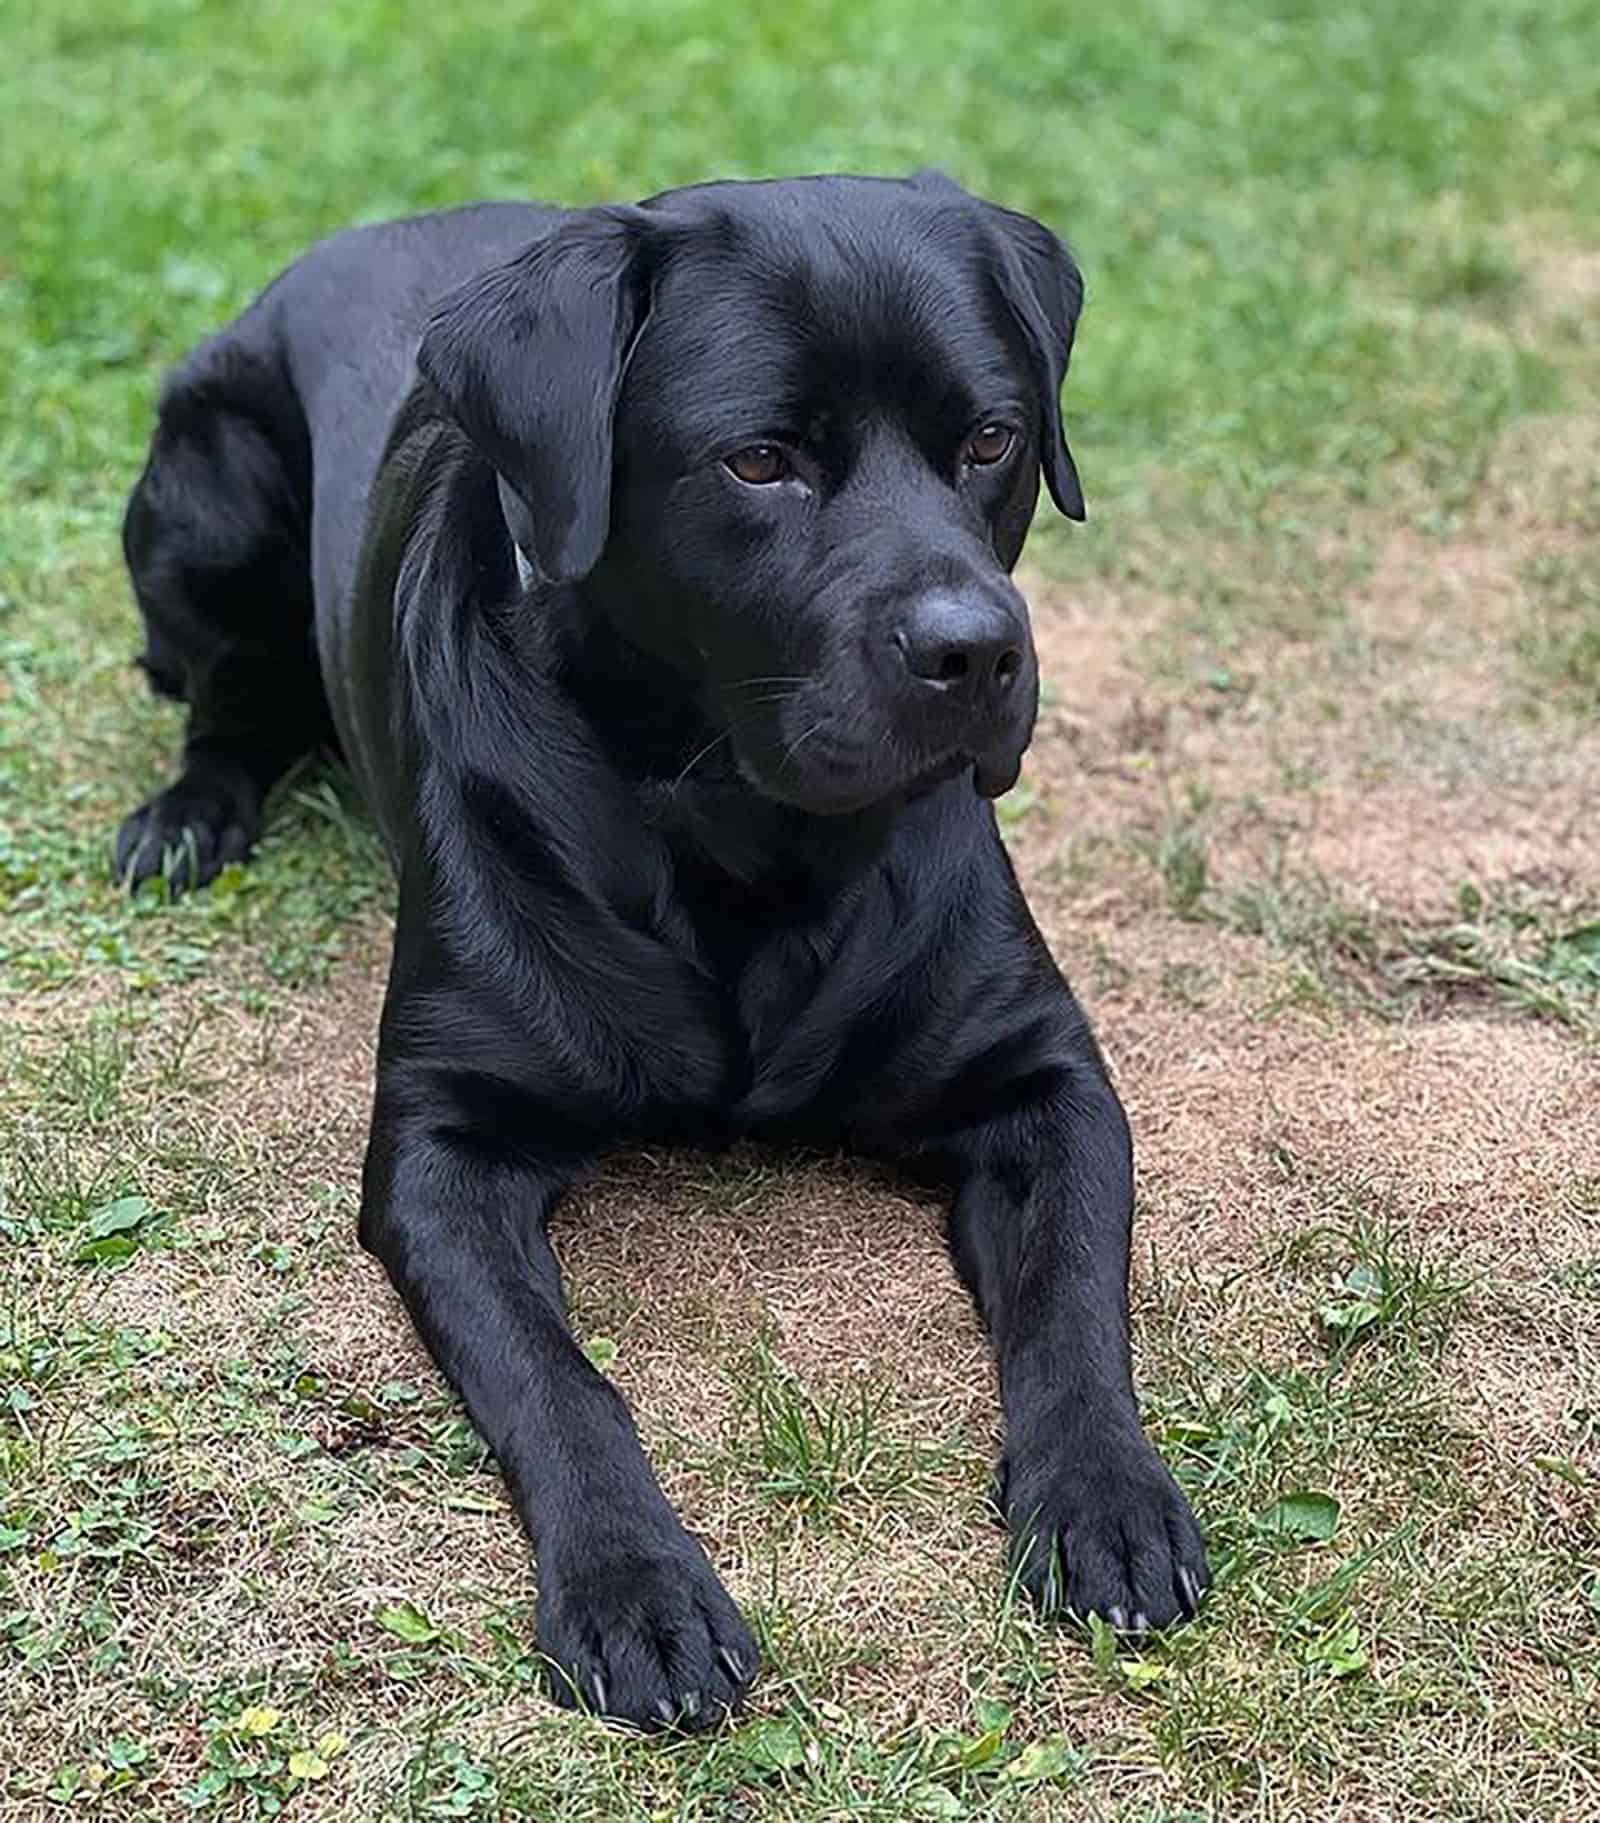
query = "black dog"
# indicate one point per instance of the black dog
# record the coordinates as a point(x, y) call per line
point(655, 586)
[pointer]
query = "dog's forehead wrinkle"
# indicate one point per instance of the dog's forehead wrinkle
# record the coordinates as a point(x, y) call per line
point(842, 268)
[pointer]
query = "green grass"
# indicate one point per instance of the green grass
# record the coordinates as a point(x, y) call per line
point(819, 1456)
point(251, 1558)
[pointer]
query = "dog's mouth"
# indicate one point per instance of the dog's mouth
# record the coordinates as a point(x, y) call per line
point(829, 750)
point(993, 777)
point(992, 774)
point(829, 791)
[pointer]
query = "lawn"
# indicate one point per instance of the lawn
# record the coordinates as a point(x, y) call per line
point(1311, 821)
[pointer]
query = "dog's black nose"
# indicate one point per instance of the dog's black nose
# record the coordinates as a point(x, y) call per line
point(970, 650)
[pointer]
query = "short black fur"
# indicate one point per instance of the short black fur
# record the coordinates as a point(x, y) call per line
point(684, 776)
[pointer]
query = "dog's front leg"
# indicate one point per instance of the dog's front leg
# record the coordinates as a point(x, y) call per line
point(632, 1618)
point(1040, 1230)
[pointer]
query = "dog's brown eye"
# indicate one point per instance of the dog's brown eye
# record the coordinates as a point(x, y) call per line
point(759, 465)
point(988, 445)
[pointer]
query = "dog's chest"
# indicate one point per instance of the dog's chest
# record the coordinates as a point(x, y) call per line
point(798, 998)
point(801, 970)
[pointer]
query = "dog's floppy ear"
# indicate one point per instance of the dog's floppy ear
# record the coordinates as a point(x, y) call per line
point(1043, 290)
point(529, 358)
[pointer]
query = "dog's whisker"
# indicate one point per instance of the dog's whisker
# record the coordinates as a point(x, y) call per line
point(715, 741)
point(794, 746)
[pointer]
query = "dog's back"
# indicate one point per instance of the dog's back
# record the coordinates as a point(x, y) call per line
point(333, 340)
point(233, 518)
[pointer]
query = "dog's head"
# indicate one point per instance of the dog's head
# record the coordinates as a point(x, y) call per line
point(788, 437)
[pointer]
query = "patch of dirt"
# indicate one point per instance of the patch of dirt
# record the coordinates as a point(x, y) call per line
point(1396, 757)
point(1383, 764)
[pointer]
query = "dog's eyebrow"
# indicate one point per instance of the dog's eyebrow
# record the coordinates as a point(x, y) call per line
point(766, 379)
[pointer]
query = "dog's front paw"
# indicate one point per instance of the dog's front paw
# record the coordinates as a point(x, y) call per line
point(644, 1633)
point(185, 835)
point(1098, 1526)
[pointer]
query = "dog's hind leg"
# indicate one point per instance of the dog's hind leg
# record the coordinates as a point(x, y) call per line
point(217, 540)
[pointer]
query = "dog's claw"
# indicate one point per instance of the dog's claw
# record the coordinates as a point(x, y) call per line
point(1119, 1535)
point(1190, 1591)
point(660, 1626)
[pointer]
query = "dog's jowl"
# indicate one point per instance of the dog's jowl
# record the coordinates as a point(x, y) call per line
point(651, 568)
